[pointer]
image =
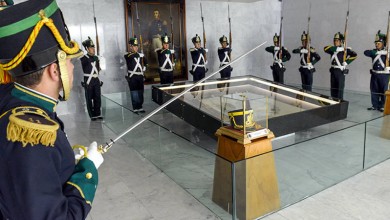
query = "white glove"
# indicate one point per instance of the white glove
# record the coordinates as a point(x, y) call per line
point(343, 66)
point(79, 153)
point(388, 69)
point(310, 66)
point(172, 51)
point(340, 49)
point(207, 50)
point(304, 50)
point(141, 55)
point(276, 48)
point(144, 69)
point(94, 155)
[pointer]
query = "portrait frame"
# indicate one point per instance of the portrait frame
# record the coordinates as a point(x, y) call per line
point(172, 17)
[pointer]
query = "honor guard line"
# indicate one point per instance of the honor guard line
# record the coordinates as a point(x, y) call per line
point(103, 149)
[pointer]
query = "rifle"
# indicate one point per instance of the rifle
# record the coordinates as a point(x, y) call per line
point(387, 44)
point(173, 44)
point(139, 33)
point(204, 32)
point(280, 38)
point(308, 37)
point(96, 30)
point(230, 34)
point(345, 37)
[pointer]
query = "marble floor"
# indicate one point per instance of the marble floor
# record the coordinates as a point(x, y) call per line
point(164, 168)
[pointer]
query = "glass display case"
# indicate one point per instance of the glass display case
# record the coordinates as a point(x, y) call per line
point(244, 116)
point(289, 109)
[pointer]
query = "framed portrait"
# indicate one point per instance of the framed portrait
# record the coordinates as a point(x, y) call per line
point(149, 20)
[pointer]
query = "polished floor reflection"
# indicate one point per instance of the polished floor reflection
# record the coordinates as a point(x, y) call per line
point(164, 168)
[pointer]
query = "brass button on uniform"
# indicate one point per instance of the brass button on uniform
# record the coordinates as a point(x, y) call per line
point(88, 175)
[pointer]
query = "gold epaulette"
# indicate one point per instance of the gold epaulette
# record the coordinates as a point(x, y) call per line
point(31, 125)
point(192, 49)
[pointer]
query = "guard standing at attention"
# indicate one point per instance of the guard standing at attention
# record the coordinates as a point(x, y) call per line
point(379, 73)
point(136, 66)
point(198, 55)
point(166, 58)
point(307, 64)
point(338, 65)
point(224, 53)
point(91, 68)
point(39, 175)
point(280, 55)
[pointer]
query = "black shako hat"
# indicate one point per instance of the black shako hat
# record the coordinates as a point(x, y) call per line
point(32, 34)
point(240, 119)
point(165, 39)
point(223, 39)
point(379, 37)
point(276, 38)
point(338, 36)
point(133, 41)
point(88, 43)
point(196, 39)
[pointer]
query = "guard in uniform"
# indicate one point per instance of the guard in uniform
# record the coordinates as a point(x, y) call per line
point(307, 69)
point(277, 67)
point(91, 84)
point(136, 66)
point(379, 72)
point(224, 53)
point(166, 58)
point(199, 61)
point(338, 68)
point(38, 173)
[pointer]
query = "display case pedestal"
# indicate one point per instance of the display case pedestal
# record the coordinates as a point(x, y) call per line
point(256, 181)
point(387, 103)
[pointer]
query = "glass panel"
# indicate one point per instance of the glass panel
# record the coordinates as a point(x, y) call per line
point(230, 178)
point(189, 165)
point(117, 117)
point(290, 174)
point(377, 141)
point(256, 178)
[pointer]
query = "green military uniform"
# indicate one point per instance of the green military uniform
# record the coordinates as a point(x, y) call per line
point(338, 69)
point(39, 178)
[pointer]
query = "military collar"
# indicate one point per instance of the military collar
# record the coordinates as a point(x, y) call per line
point(35, 97)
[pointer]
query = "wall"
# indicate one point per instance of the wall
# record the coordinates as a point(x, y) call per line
point(252, 24)
point(327, 18)
point(112, 39)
